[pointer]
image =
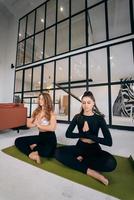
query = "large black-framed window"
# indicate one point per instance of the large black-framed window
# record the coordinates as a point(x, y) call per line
point(90, 22)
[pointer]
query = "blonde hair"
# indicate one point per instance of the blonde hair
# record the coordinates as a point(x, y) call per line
point(47, 104)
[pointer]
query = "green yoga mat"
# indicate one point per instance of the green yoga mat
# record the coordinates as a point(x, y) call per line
point(121, 180)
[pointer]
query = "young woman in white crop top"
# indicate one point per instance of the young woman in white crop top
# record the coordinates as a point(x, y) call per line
point(44, 119)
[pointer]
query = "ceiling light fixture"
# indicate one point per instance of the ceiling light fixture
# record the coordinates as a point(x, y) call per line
point(61, 9)
point(42, 20)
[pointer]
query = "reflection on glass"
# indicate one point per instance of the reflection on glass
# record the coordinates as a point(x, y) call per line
point(63, 9)
point(20, 54)
point(51, 13)
point(119, 18)
point(27, 79)
point(22, 28)
point(63, 35)
point(29, 50)
point(30, 24)
point(18, 81)
point(48, 76)
point(61, 105)
point(122, 64)
point(38, 47)
point(101, 96)
point(75, 104)
point(50, 42)
point(96, 24)
point(36, 78)
point(98, 65)
point(40, 18)
point(78, 69)
point(92, 2)
point(77, 5)
point(78, 31)
point(123, 104)
point(62, 73)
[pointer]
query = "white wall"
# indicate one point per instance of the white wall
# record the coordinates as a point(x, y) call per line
point(8, 35)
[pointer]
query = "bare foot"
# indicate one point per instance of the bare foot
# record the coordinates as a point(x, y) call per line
point(35, 156)
point(32, 146)
point(97, 176)
point(80, 158)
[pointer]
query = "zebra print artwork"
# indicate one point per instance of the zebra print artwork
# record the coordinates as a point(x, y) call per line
point(124, 103)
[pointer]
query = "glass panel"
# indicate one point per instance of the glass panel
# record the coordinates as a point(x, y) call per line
point(38, 47)
point(92, 2)
point(48, 76)
point(63, 9)
point(123, 104)
point(34, 104)
point(78, 31)
point(22, 29)
point(61, 105)
point(119, 18)
point(29, 50)
point(122, 64)
point(36, 78)
point(77, 5)
point(27, 105)
point(78, 69)
point(101, 97)
point(18, 81)
point(27, 79)
point(51, 13)
point(50, 42)
point(96, 24)
point(30, 24)
point(98, 66)
point(31, 94)
point(63, 35)
point(75, 105)
point(62, 72)
point(40, 15)
point(20, 54)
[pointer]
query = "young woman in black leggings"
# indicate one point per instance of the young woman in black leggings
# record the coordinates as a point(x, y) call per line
point(44, 119)
point(87, 156)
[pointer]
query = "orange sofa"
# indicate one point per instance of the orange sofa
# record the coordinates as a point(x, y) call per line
point(12, 115)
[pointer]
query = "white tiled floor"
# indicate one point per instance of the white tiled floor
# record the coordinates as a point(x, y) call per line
point(21, 181)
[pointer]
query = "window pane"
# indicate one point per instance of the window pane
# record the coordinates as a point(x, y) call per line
point(18, 81)
point(122, 64)
point(77, 5)
point(27, 105)
point(38, 47)
point(20, 53)
point(96, 24)
point(31, 94)
point(78, 31)
point(48, 77)
point(30, 24)
point(27, 79)
point(62, 72)
point(123, 104)
point(101, 97)
point(63, 35)
point(61, 105)
point(119, 18)
point(29, 50)
point(75, 105)
point(51, 13)
point(22, 29)
point(36, 78)
point(92, 2)
point(63, 9)
point(40, 18)
point(98, 66)
point(50, 42)
point(78, 69)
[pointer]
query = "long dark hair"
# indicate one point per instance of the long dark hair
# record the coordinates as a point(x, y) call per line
point(95, 108)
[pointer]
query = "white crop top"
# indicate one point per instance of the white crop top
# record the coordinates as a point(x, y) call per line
point(44, 122)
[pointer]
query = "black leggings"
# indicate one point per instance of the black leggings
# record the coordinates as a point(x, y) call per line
point(93, 157)
point(46, 144)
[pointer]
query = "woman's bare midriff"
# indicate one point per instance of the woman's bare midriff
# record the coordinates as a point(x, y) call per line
point(87, 140)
